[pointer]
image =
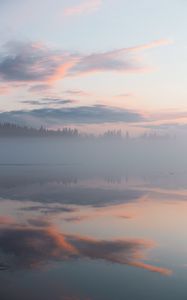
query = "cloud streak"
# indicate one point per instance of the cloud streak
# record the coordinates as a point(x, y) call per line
point(96, 114)
point(77, 92)
point(48, 101)
point(121, 60)
point(83, 8)
point(42, 66)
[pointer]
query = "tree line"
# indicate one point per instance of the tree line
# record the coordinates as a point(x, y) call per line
point(14, 130)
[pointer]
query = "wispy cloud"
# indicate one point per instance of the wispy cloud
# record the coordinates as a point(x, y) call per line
point(169, 115)
point(4, 90)
point(77, 92)
point(48, 101)
point(83, 8)
point(121, 60)
point(37, 64)
point(39, 88)
point(153, 44)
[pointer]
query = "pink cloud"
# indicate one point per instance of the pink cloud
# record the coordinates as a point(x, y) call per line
point(4, 90)
point(153, 44)
point(83, 8)
point(120, 60)
point(35, 63)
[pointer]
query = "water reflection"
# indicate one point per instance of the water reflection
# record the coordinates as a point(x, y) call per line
point(59, 225)
point(29, 247)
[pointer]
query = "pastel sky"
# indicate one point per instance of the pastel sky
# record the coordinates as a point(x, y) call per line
point(94, 63)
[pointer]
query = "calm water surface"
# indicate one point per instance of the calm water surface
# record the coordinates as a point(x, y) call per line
point(75, 233)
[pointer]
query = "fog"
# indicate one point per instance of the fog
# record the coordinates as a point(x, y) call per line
point(136, 154)
point(77, 211)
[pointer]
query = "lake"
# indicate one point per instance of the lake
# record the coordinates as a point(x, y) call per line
point(87, 232)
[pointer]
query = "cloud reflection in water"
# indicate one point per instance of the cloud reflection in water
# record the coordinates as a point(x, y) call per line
point(35, 246)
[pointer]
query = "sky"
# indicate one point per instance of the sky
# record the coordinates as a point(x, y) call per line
point(94, 64)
